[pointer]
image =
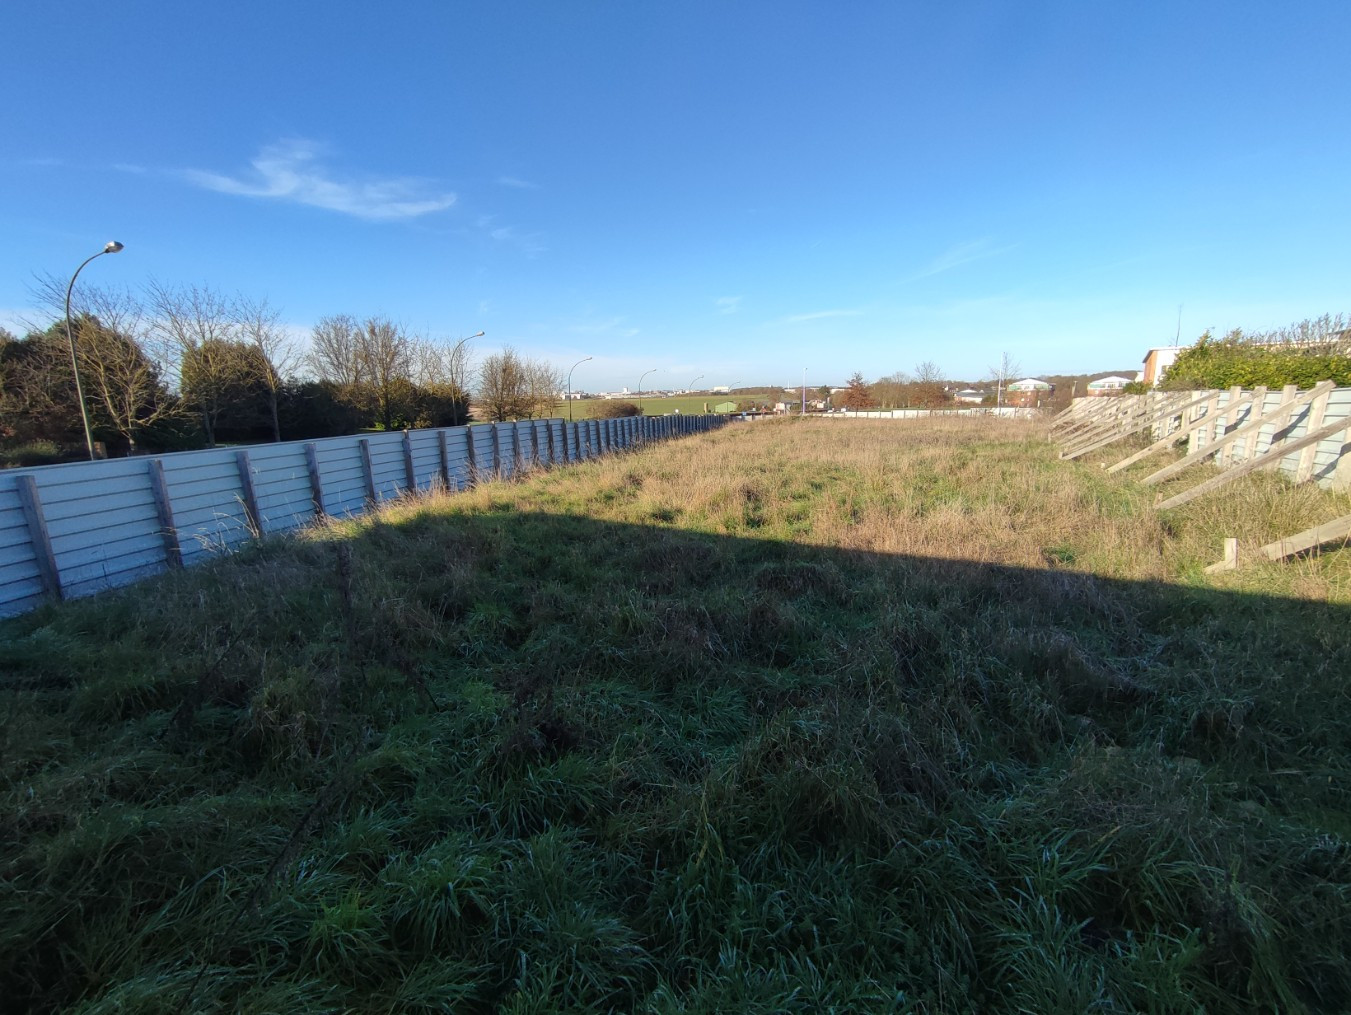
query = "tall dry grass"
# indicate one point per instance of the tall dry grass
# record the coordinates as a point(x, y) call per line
point(801, 716)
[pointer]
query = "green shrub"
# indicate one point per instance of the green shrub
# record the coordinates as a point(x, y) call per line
point(1233, 361)
point(614, 410)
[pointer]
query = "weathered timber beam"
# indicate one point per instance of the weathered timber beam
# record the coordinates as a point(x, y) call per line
point(1214, 447)
point(1277, 451)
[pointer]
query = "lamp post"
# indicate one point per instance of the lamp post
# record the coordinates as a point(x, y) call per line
point(574, 367)
point(804, 391)
point(694, 382)
point(454, 360)
point(110, 248)
point(640, 388)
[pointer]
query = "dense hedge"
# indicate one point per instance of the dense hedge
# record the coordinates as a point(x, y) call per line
point(1224, 363)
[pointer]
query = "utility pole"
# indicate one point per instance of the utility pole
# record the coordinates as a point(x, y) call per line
point(804, 391)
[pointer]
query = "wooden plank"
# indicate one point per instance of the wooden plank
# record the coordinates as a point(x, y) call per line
point(1236, 401)
point(1100, 417)
point(316, 482)
point(251, 512)
point(164, 508)
point(31, 503)
point(1242, 448)
point(1089, 410)
point(1220, 444)
point(409, 472)
point(367, 471)
point(549, 433)
point(1135, 424)
point(1113, 426)
point(1304, 470)
point(1309, 539)
point(1271, 457)
point(1230, 559)
point(1176, 435)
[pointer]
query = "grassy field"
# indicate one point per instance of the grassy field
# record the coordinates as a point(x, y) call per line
point(792, 717)
point(687, 404)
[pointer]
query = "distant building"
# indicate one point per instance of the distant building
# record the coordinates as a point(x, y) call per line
point(725, 407)
point(1029, 392)
point(1107, 385)
point(970, 396)
point(720, 389)
point(1157, 362)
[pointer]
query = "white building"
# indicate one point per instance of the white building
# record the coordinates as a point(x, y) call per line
point(1111, 385)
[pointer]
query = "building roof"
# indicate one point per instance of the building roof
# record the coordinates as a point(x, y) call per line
point(1028, 384)
point(1103, 382)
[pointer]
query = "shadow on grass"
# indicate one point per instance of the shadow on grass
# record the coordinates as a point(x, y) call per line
point(533, 762)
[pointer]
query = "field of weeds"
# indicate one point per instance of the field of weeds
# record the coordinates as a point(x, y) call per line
point(799, 716)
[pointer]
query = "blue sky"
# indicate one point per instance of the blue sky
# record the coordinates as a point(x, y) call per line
point(733, 190)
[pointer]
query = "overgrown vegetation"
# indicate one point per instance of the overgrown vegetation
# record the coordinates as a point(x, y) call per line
point(1313, 350)
point(789, 717)
point(613, 409)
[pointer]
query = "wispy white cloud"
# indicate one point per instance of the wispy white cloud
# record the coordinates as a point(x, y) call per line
point(291, 171)
point(728, 304)
point(955, 257)
point(517, 183)
point(613, 326)
point(531, 243)
point(817, 315)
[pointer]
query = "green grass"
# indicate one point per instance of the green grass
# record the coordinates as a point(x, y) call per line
point(796, 717)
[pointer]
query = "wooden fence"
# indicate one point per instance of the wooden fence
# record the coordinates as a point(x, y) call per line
point(73, 530)
point(1306, 435)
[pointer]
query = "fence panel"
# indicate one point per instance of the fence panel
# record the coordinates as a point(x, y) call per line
point(87, 526)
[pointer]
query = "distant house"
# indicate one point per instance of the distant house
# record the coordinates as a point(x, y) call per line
point(969, 395)
point(1157, 362)
point(725, 407)
point(1030, 391)
point(1107, 385)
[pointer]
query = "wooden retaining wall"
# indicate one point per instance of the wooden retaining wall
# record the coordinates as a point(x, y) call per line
point(73, 530)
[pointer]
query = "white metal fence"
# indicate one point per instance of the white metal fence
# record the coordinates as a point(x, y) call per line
point(73, 530)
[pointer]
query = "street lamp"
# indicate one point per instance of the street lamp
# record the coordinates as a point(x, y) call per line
point(694, 382)
point(574, 367)
point(110, 248)
point(453, 362)
point(640, 388)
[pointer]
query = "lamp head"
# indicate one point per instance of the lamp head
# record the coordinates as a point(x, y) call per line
point(112, 247)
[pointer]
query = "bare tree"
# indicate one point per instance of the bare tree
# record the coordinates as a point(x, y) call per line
point(125, 364)
point(385, 358)
point(276, 355)
point(1001, 372)
point(334, 351)
point(202, 326)
point(502, 386)
point(927, 389)
point(543, 383)
point(890, 391)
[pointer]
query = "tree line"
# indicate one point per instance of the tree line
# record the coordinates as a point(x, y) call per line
point(178, 367)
